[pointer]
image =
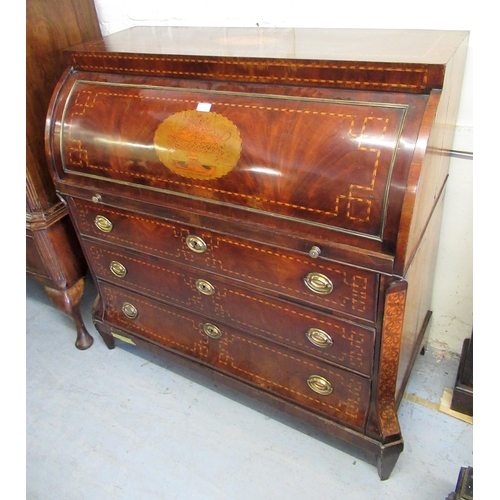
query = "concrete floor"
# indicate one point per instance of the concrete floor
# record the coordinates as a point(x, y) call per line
point(124, 424)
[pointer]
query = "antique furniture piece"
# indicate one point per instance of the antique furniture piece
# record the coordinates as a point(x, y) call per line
point(463, 392)
point(464, 489)
point(264, 205)
point(53, 253)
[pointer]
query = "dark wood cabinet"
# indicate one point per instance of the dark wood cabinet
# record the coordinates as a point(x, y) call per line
point(264, 205)
point(462, 399)
point(53, 253)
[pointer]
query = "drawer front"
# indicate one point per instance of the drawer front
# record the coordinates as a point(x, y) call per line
point(331, 339)
point(331, 391)
point(339, 288)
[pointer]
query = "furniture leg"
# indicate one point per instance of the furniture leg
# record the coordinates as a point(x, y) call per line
point(68, 301)
point(387, 459)
point(105, 333)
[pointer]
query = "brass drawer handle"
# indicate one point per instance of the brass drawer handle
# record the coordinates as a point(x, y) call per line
point(205, 287)
point(319, 338)
point(320, 385)
point(196, 244)
point(318, 283)
point(117, 269)
point(103, 224)
point(212, 331)
point(129, 310)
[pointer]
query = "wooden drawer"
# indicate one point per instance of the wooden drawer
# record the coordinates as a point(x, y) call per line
point(267, 365)
point(329, 338)
point(354, 291)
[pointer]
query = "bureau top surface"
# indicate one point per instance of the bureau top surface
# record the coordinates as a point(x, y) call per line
point(369, 45)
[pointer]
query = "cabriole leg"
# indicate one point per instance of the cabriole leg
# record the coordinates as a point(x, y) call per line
point(68, 301)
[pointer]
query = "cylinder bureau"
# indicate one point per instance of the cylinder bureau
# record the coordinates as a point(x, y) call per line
point(264, 205)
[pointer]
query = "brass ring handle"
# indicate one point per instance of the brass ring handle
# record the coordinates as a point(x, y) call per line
point(318, 283)
point(205, 287)
point(212, 331)
point(196, 244)
point(129, 310)
point(319, 338)
point(320, 385)
point(117, 269)
point(103, 224)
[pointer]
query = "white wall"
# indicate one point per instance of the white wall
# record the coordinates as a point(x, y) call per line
point(452, 299)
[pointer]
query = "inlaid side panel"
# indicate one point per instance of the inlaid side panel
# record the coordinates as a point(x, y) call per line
point(392, 329)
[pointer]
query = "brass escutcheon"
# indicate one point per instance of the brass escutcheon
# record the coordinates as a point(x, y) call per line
point(118, 269)
point(196, 244)
point(129, 310)
point(103, 223)
point(320, 385)
point(318, 283)
point(319, 338)
point(205, 287)
point(212, 331)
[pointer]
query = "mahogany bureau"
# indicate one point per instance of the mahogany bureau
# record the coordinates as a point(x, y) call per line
point(264, 205)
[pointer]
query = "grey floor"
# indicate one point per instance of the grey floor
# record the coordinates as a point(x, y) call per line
point(124, 424)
